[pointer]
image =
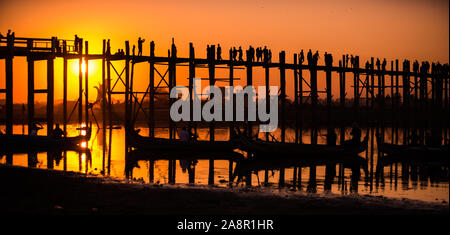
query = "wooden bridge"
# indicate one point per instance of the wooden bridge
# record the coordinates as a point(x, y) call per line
point(414, 84)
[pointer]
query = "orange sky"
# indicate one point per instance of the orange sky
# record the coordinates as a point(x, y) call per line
point(416, 29)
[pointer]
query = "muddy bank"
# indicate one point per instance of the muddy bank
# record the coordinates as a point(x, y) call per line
point(37, 191)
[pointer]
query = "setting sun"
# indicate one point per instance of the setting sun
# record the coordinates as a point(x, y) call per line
point(92, 67)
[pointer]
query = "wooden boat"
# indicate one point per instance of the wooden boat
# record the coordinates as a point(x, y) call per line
point(143, 154)
point(412, 154)
point(28, 143)
point(140, 142)
point(313, 151)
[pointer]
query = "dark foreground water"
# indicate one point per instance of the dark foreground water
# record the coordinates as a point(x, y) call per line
point(103, 162)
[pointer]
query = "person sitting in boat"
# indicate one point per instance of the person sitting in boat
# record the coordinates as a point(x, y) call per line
point(356, 134)
point(414, 139)
point(331, 137)
point(57, 132)
point(434, 139)
point(184, 135)
point(192, 135)
point(34, 128)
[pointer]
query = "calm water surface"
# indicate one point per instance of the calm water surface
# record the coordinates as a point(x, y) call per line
point(102, 163)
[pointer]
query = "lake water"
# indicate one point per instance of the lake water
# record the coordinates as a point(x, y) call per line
point(101, 162)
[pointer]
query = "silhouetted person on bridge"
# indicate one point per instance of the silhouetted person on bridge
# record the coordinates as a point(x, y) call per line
point(140, 42)
point(234, 53)
point(383, 65)
point(265, 54)
point(108, 48)
point(352, 61)
point(378, 64)
point(240, 53)
point(367, 65)
point(10, 35)
point(316, 58)
point(251, 54)
point(346, 60)
point(270, 56)
point(328, 59)
point(76, 43)
point(309, 57)
point(416, 67)
point(219, 52)
point(301, 57)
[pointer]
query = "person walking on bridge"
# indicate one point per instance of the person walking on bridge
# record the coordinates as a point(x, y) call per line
point(140, 42)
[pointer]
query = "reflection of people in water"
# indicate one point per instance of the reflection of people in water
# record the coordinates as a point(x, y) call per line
point(434, 139)
point(331, 137)
point(192, 136)
point(187, 165)
point(413, 139)
point(184, 135)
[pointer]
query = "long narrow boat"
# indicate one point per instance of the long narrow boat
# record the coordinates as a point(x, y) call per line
point(142, 154)
point(413, 154)
point(28, 143)
point(140, 142)
point(316, 151)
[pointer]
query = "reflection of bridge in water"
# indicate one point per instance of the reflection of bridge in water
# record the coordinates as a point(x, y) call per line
point(418, 97)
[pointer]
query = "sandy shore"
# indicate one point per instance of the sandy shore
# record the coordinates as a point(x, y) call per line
point(38, 191)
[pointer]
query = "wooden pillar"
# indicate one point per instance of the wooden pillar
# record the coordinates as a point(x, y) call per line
point(30, 102)
point(170, 172)
point(231, 84)
point(86, 85)
point(65, 87)
point(267, 84)
point(372, 84)
point(329, 65)
point(127, 85)
point(314, 101)
point(151, 169)
point(212, 81)
point(9, 85)
point(249, 66)
point(397, 100)
point(152, 91)
point(300, 102)
point(283, 96)
point(191, 82)
point(108, 83)
point(211, 68)
point(191, 172)
point(282, 173)
point(342, 101)
point(172, 67)
point(356, 86)
point(103, 88)
point(50, 95)
point(80, 82)
point(296, 100)
point(211, 172)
